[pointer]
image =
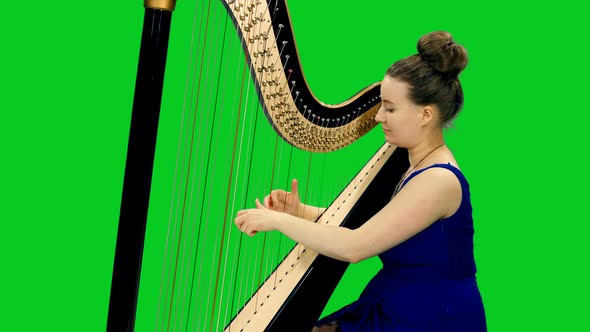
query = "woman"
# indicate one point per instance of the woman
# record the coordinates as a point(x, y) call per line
point(424, 235)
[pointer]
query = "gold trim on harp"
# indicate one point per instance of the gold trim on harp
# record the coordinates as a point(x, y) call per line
point(167, 5)
point(255, 25)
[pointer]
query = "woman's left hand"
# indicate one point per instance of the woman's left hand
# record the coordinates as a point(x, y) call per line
point(261, 219)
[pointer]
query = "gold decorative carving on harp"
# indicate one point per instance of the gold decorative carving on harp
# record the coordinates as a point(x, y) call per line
point(296, 114)
point(291, 294)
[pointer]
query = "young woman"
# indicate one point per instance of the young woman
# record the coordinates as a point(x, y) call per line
point(424, 235)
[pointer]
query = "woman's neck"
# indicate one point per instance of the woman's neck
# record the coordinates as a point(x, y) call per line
point(419, 154)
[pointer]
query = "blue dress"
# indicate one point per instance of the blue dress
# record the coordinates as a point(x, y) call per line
point(427, 283)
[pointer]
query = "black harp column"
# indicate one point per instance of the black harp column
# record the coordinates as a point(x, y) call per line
point(139, 165)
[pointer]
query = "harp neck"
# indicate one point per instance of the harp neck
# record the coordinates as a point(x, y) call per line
point(296, 114)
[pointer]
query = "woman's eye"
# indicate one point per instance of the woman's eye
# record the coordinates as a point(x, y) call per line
point(390, 110)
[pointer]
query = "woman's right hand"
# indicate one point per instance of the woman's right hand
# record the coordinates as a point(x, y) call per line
point(283, 201)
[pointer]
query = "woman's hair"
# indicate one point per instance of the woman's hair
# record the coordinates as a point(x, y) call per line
point(432, 74)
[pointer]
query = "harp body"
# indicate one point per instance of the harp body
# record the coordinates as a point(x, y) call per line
point(295, 291)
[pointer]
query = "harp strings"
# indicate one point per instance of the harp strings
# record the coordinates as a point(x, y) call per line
point(230, 204)
point(187, 197)
point(233, 190)
point(218, 274)
point(162, 320)
point(251, 284)
point(201, 307)
point(208, 271)
point(193, 274)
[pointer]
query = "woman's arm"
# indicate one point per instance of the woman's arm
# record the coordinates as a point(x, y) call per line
point(308, 212)
point(431, 195)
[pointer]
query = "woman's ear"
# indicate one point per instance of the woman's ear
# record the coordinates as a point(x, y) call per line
point(427, 115)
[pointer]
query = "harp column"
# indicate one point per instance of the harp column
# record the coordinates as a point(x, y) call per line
point(139, 164)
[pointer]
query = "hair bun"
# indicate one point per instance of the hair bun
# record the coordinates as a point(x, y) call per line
point(440, 51)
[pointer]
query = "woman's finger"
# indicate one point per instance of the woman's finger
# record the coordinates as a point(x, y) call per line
point(259, 205)
point(274, 196)
point(249, 231)
point(294, 187)
point(267, 202)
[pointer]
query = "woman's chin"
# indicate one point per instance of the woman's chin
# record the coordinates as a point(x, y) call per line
point(389, 140)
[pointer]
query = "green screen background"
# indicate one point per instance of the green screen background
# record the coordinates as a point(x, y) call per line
point(68, 75)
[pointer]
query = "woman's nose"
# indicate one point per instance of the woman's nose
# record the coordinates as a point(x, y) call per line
point(379, 116)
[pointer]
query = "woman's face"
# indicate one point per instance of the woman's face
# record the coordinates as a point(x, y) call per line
point(401, 120)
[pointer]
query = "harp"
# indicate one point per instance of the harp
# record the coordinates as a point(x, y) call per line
point(289, 291)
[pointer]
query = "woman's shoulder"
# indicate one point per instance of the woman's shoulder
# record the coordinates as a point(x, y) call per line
point(437, 185)
point(439, 170)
